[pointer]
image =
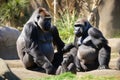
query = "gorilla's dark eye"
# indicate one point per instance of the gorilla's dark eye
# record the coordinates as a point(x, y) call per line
point(78, 25)
point(38, 16)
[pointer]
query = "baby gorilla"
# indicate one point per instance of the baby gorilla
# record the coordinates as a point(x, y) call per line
point(68, 63)
point(35, 43)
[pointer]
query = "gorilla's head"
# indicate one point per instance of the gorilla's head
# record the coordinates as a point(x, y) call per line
point(81, 26)
point(67, 59)
point(42, 18)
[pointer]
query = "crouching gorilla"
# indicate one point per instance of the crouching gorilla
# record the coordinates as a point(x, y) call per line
point(92, 50)
point(35, 45)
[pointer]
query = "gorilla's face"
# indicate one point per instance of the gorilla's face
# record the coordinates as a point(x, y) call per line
point(78, 29)
point(67, 59)
point(43, 20)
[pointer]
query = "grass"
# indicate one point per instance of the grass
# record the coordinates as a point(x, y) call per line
point(70, 76)
point(116, 34)
point(66, 26)
point(91, 77)
point(65, 76)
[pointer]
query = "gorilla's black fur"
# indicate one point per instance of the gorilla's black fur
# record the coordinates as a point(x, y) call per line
point(36, 42)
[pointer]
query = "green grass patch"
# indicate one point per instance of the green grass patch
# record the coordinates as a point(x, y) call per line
point(70, 76)
point(65, 76)
point(91, 77)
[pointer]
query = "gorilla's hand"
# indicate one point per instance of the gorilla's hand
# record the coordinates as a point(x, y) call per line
point(67, 47)
point(43, 62)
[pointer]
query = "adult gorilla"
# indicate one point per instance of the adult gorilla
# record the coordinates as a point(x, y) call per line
point(92, 48)
point(35, 43)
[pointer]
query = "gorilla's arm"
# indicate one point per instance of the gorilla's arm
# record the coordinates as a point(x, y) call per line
point(104, 57)
point(58, 57)
point(67, 47)
point(102, 44)
point(56, 39)
point(97, 37)
point(30, 33)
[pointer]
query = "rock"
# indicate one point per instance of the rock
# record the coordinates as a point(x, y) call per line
point(5, 72)
point(114, 43)
point(18, 69)
point(8, 37)
point(104, 73)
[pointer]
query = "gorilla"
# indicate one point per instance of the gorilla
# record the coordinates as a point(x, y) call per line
point(68, 63)
point(92, 50)
point(35, 45)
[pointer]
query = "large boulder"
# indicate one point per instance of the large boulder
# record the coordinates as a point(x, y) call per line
point(8, 37)
point(109, 17)
point(5, 72)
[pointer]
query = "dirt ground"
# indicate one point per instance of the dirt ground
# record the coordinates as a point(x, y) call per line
point(18, 69)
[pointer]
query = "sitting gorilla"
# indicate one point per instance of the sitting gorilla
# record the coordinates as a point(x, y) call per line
point(92, 50)
point(35, 45)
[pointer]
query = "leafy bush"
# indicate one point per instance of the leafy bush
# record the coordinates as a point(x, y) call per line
point(11, 11)
point(65, 26)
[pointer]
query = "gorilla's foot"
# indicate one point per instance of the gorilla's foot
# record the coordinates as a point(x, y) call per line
point(38, 69)
point(50, 70)
point(72, 68)
point(58, 71)
point(103, 67)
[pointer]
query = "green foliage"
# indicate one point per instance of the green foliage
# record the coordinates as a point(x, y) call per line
point(91, 77)
point(65, 26)
point(64, 76)
point(115, 34)
point(70, 76)
point(12, 10)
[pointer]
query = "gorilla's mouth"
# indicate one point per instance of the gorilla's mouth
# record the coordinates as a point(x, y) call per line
point(46, 26)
